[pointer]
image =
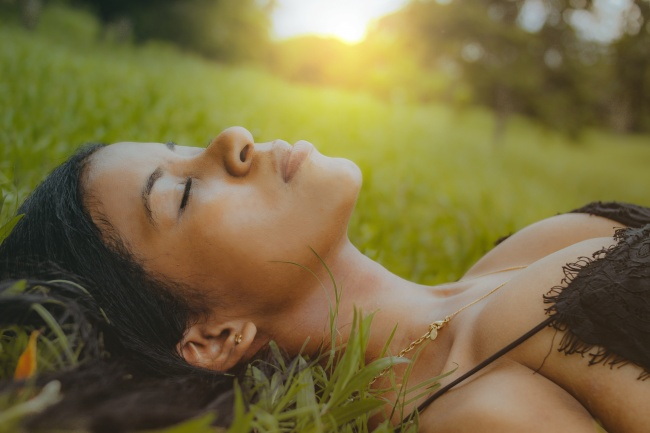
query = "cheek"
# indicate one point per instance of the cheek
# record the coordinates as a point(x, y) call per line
point(241, 234)
point(244, 262)
point(239, 238)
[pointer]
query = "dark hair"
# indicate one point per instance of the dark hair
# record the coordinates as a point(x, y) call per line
point(101, 393)
point(141, 318)
point(57, 238)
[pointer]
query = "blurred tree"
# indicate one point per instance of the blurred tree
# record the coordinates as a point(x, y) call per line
point(28, 11)
point(109, 11)
point(630, 106)
point(316, 60)
point(112, 10)
point(483, 41)
point(526, 56)
point(610, 81)
point(229, 30)
point(226, 30)
point(379, 65)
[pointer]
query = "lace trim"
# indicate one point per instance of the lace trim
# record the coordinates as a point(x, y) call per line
point(603, 303)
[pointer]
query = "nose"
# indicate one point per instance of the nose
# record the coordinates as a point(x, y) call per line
point(234, 147)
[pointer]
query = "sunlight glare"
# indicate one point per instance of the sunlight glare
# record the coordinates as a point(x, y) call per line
point(346, 20)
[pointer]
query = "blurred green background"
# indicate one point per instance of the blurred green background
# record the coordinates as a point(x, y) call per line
point(469, 119)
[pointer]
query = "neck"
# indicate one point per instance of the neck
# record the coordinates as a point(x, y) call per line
point(397, 304)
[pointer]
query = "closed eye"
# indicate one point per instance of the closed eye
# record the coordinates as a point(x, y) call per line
point(186, 195)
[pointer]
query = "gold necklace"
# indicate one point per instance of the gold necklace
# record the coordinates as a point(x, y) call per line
point(434, 327)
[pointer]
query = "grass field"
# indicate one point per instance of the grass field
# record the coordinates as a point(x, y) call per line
point(437, 192)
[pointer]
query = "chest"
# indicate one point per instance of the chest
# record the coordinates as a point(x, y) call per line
point(509, 314)
point(505, 316)
point(506, 397)
point(519, 306)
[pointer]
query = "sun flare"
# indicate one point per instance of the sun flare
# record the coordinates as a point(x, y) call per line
point(346, 20)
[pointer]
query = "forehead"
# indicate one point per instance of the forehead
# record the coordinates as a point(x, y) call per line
point(125, 156)
point(114, 180)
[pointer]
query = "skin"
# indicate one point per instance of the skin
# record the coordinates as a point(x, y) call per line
point(243, 222)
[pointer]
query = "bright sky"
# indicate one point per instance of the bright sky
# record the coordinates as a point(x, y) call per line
point(349, 19)
point(344, 19)
point(608, 21)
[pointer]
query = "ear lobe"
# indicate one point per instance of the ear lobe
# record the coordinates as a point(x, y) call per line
point(217, 347)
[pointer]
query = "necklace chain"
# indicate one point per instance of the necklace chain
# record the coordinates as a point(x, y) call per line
point(434, 327)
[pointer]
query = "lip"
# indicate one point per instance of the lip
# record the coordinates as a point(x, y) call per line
point(298, 154)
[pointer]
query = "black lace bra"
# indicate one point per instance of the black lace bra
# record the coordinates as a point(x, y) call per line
point(603, 302)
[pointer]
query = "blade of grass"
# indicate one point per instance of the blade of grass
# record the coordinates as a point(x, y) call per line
point(54, 327)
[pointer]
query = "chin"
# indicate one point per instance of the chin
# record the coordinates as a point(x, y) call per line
point(352, 171)
point(332, 185)
point(344, 170)
point(345, 183)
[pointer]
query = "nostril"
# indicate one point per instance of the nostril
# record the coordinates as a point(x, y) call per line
point(244, 153)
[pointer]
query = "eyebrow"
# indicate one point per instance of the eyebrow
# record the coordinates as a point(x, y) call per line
point(151, 180)
point(146, 193)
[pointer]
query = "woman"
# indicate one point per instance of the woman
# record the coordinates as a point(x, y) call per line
point(232, 238)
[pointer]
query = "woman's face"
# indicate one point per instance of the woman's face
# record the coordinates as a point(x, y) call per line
point(221, 219)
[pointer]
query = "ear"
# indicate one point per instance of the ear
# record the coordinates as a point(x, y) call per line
point(217, 346)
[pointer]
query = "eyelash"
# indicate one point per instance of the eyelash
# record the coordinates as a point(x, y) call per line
point(186, 193)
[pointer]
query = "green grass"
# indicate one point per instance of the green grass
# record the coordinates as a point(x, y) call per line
point(437, 192)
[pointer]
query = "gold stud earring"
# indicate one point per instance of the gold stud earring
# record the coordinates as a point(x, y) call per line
point(238, 338)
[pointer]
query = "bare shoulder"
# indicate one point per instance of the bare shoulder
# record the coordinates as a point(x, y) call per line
point(543, 238)
point(507, 398)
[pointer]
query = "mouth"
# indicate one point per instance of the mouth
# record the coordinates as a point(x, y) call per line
point(297, 155)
